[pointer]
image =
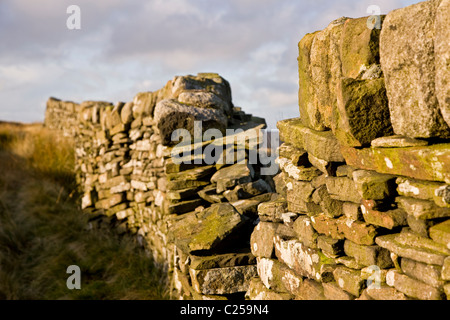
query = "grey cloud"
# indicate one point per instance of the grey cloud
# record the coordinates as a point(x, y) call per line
point(129, 46)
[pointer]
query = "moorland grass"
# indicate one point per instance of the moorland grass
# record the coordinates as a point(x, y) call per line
point(43, 231)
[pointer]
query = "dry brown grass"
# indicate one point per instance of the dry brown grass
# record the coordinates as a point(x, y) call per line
point(42, 231)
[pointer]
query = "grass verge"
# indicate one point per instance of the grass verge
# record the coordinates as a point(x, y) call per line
point(42, 231)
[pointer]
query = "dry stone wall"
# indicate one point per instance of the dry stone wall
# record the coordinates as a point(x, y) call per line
point(359, 206)
point(192, 203)
point(365, 171)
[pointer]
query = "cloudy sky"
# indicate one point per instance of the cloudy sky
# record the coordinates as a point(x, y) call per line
point(128, 46)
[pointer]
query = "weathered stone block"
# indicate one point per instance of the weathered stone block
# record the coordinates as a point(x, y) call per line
point(441, 233)
point(362, 112)
point(397, 141)
point(110, 202)
point(332, 291)
point(411, 287)
point(209, 229)
point(310, 290)
point(171, 115)
point(424, 190)
point(300, 173)
point(305, 231)
point(408, 62)
point(325, 74)
point(299, 157)
point(327, 226)
point(330, 247)
point(352, 210)
point(425, 163)
point(261, 240)
point(426, 273)
point(222, 280)
point(300, 189)
point(357, 231)
point(306, 91)
point(422, 209)
point(221, 260)
point(368, 255)
point(441, 56)
point(373, 185)
point(445, 275)
point(277, 276)
point(385, 292)
point(322, 145)
point(258, 291)
point(386, 219)
point(420, 249)
point(349, 280)
point(272, 210)
point(229, 177)
point(344, 188)
point(359, 46)
point(304, 261)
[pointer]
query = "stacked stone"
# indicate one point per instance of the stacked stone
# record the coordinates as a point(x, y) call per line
point(211, 198)
point(62, 115)
point(194, 214)
point(363, 214)
point(216, 208)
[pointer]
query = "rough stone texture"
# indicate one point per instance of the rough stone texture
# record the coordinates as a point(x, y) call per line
point(386, 219)
point(231, 176)
point(261, 241)
point(172, 115)
point(221, 260)
point(349, 280)
point(359, 47)
point(428, 274)
point(311, 290)
point(343, 188)
point(321, 75)
point(327, 226)
point(305, 231)
point(386, 292)
point(278, 277)
point(424, 163)
point(422, 209)
point(217, 223)
point(445, 275)
point(222, 280)
point(424, 190)
point(299, 173)
point(374, 186)
point(357, 231)
point(303, 260)
point(442, 58)
point(409, 68)
point(322, 145)
point(362, 112)
point(441, 233)
point(412, 287)
point(332, 291)
point(272, 210)
point(414, 247)
point(397, 141)
point(258, 291)
point(368, 255)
